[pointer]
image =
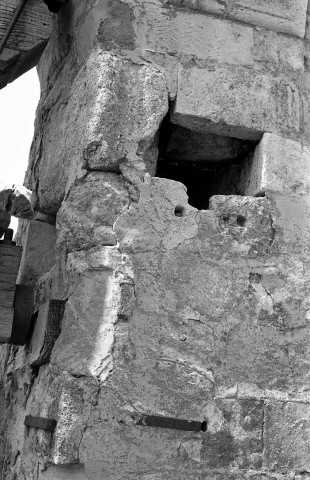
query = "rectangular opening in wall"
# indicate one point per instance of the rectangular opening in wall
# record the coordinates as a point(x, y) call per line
point(207, 164)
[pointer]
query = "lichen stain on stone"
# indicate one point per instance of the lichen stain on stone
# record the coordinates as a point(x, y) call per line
point(219, 449)
point(117, 30)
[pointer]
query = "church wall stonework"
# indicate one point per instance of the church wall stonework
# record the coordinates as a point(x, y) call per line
point(169, 309)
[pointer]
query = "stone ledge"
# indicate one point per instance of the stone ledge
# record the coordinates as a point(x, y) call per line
point(237, 102)
point(288, 17)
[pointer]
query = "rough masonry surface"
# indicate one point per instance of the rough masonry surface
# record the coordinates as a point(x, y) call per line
point(167, 309)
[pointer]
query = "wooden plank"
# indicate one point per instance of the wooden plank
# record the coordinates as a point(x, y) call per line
point(27, 40)
point(6, 299)
point(9, 253)
point(40, 422)
point(7, 286)
point(6, 323)
point(10, 256)
point(33, 26)
point(22, 63)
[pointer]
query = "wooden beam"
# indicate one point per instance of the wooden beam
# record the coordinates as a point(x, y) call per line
point(27, 40)
point(23, 310)
point(10, 256)
point(33, 26)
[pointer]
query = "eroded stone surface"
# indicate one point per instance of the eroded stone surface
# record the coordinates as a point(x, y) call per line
point(288, 18)
point(279, 165)
point(170, 311)
point(246, 105)
point(38, 252)
point(198, 35)
point(286, 424)
point(205, 317)
point(86, 341)
point(64, 473)
point(87, 216)
point(110, 116)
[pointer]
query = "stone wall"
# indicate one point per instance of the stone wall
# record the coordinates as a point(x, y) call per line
point(172, 150)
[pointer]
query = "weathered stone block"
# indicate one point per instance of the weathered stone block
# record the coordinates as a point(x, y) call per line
point(117, 29)
point(286, 436)
point(206, 300)
point(85, 344)
point(188, 304)
point(87, 216)
point(73, 472)
point(291, 220)
point(234, 435)
point(70, 421)
point(57, 395)
point(278, 52)
point(237, 102)
point(111, 116)
point(237, 444)
point(38, 252)
point(198, 36)
point(244, 223)
point(288, 17)
point(154, 222)
point(279, 165)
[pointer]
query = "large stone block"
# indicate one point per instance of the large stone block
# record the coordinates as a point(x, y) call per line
point(237, 102)
point(244, 225)
point(87, 216)
point(38, 252)
point(279, 165)
point(234, 434)
point(287, 17)
point(109, 115)
point(199, 36)
point(56, 395)
point(154, 222)
point(237, 443)
point(85, 345)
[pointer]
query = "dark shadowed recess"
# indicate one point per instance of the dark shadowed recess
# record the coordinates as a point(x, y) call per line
point(207, 164)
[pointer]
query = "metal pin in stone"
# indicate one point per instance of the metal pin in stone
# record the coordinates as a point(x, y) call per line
point(169, 422)
point(40, 422)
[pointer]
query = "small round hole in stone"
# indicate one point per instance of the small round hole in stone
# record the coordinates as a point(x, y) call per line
point(241, 220)
point(179, 211)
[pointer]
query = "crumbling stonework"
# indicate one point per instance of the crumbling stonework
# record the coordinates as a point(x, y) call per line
point(172, 150)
